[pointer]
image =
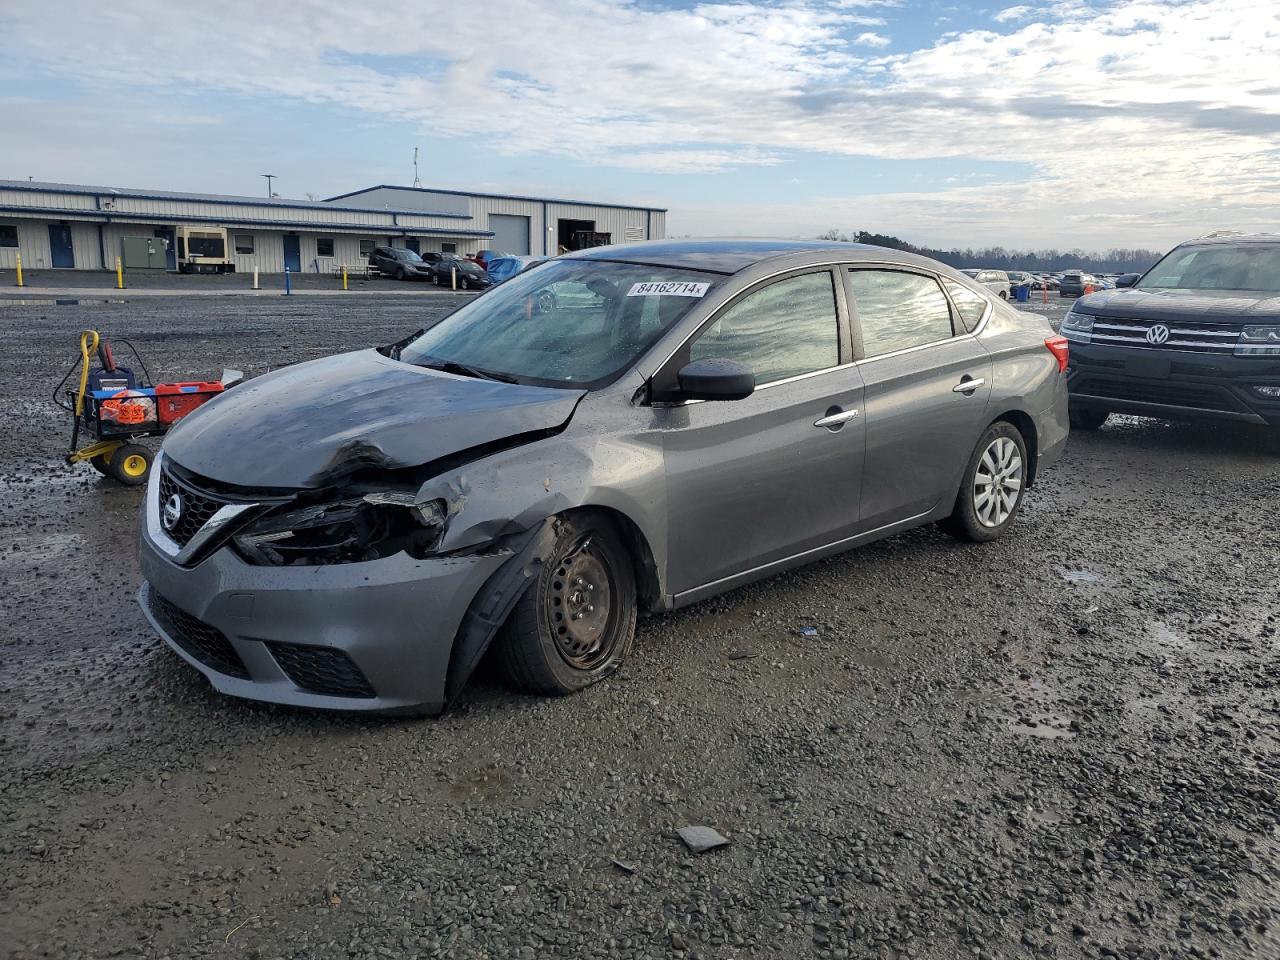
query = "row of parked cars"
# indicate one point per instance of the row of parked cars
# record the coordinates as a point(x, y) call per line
point(476, 272)
point(1068, 283)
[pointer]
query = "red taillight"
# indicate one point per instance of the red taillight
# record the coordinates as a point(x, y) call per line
point(1060, 348)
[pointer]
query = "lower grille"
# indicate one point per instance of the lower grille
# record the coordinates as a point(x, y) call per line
point(1169, 394)
point(207, 644)
point(321, 670)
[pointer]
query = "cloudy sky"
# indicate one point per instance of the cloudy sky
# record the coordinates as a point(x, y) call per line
point(1118, 122)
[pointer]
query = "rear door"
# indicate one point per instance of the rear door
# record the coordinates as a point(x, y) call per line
point(758, 480)
point(927, 382)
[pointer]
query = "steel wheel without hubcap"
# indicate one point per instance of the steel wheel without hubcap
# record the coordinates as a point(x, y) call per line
point(581, 598)
point(573, 626)
point(997, 483)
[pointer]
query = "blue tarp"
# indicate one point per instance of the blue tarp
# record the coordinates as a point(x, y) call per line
point(504, 268)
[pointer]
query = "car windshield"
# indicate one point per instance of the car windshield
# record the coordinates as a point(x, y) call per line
point(408, 255)
point(577, 323)
point(1253, 267)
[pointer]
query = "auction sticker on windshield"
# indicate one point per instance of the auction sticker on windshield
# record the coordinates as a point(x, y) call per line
point(668, 288)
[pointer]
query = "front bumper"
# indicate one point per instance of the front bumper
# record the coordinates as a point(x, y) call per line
point(373, 636)
point(1172, 384)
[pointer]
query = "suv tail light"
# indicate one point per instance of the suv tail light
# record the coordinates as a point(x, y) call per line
point(1060, 348)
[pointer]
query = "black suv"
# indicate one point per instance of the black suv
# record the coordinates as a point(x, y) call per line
point(1196, 336)
point(401, 263)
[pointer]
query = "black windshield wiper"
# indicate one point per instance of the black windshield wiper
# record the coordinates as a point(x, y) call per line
point(452, 366)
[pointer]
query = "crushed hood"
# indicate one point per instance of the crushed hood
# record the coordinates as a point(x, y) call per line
point(1209, 306)
point(305, 425)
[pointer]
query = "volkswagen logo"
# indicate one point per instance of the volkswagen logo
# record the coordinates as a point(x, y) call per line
point(172, 512)
point(1157, 334)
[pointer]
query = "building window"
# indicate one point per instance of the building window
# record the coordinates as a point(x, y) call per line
point(324, 246)
point(366, 247)
point(244, 243)
point(448, 248)
point(8, 234)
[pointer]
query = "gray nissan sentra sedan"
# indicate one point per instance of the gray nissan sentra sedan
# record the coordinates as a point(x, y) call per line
point(625, 429)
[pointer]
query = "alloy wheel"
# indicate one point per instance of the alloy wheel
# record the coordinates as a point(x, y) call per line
point(997, 483)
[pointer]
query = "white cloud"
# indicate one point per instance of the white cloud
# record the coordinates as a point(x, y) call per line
point(1142, 120)
point(870, 39)
point(1020, 12)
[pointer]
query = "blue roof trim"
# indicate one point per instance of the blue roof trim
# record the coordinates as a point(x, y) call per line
point(375, 229)
point(83, 191)
point(499, 196)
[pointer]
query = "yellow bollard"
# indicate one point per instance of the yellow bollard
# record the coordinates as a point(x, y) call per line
point(19, 269)
point(344, 276)
point(119, 275)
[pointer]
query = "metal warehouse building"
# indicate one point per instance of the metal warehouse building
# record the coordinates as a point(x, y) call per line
point(67, 226)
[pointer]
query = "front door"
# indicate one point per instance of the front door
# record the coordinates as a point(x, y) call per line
point(412, 244)
point(754, 481)
point(292, 253)
point(170, 248)
point(922, 420)
point(61, 253)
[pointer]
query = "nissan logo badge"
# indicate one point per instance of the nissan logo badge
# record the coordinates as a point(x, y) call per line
point(172, 512)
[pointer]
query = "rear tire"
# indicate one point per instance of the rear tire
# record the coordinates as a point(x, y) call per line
point(130, 465)
point(102, 463)
point(994, 483)
point(1083, 418)
point(576, 622)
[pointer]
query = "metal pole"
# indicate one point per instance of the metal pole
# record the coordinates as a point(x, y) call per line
point(255, 276)
point(344, 276)
point(453, 274)
point(20, 270)
point(288, 288)
point(119, 275)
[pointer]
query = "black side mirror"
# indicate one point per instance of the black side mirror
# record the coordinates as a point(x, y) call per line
point(1127, 279)
point(715, 378)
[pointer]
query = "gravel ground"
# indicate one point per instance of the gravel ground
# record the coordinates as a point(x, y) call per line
point(1059, 745)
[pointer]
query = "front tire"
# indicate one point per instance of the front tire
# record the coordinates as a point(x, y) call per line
point(1084, 418)
point(576, 622)
point(995, 480)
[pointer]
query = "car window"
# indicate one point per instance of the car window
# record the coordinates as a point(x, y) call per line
point(786, 329)
point(898, 310)
point(567, 323)
point(970, 305)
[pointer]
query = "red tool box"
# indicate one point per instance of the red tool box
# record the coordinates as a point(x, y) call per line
point(175, 400)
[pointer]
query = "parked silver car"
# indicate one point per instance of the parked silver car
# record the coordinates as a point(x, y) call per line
point(622, 429)
point(997, 281)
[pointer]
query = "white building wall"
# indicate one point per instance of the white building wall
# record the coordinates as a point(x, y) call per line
point(615, 221)
point(62, 201)
point(33, 244)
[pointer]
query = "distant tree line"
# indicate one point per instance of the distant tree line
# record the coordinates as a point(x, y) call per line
point(1117, 260)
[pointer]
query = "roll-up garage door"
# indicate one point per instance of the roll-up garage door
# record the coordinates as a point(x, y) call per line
point(510, 233)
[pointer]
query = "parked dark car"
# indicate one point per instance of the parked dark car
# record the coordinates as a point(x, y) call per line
point(1196, 336)
point(471, 276)
point(1073, 283)
point(400, 263)
point(624, 429)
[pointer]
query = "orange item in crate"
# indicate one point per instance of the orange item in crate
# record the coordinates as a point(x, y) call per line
point(175, 400)
point(128, 408)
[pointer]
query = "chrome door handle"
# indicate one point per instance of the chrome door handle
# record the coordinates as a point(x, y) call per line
point(836, 419)
point(968, 386)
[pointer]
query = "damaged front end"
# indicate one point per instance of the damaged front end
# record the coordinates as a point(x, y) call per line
point(348, 529)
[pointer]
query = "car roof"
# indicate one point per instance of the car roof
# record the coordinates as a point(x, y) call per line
point(1227, 237)
point(734, 255)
